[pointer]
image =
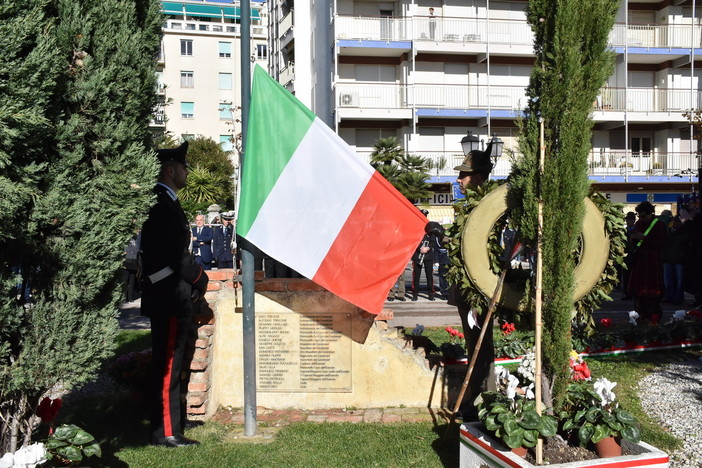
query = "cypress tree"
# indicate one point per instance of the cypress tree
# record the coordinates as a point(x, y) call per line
point(572, 63)
point(80, 81)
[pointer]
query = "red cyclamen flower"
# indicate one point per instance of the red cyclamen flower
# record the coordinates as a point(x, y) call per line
point(508, 328)
point(48, 409)
point(606, 322)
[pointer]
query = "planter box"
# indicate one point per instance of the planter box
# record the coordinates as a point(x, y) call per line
point(479, 450)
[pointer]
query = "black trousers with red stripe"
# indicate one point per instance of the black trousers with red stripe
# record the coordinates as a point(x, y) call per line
point(169, 337)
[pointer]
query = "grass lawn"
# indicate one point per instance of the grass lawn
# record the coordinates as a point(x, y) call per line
point(119, 422)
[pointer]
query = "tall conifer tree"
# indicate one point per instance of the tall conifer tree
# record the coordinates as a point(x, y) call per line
point(77, 79)
point(572, 64)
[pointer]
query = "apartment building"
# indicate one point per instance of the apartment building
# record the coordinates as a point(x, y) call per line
point(199, 71)
point(429, 71)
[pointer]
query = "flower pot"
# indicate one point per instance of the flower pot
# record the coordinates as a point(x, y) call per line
point(478, 448)
point(608, 447)
point(520, 451)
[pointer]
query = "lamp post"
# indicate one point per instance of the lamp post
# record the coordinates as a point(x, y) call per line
point(497, 146)
point(469, 143)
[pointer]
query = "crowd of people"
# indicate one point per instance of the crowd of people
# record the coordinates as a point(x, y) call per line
point(663, 257)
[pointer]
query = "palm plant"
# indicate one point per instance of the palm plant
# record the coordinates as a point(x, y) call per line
point(203, 186)
point(386, 151)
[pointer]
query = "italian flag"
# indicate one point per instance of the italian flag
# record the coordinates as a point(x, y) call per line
point(308, 201)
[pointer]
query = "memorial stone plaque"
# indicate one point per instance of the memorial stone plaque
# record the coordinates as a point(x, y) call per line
point(303, 353)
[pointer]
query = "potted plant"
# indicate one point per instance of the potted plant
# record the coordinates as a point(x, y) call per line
point(593, 415)
point(510, 414)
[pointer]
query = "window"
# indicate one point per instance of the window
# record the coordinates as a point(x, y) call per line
point(261, 51)
point(225, 81)
point(640, 146)
point(225, 111)
point(187, 79)
point(225, 141)
point(225, 49)
point(187, 110)
point(186, 47)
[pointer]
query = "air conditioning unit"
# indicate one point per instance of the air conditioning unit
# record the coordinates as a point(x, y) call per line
point(348, 100)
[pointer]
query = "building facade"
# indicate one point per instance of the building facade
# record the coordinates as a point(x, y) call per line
point(200, 69)
point(429, 71)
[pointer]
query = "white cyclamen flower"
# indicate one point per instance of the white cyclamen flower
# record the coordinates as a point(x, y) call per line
point(633, 316)
point(512, 385)
point(604, 387)
point(501, 374)
point(529, 392)
point(7, 460)
point(679, 315)
point(527, 367)
point(30, 456)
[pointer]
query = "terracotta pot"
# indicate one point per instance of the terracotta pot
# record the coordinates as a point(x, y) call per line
point(520, 451)
point(608, 447)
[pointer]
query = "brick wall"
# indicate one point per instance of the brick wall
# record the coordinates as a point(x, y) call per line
point(198, 396)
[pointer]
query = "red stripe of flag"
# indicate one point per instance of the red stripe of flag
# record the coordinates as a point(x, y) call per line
point(373, 247)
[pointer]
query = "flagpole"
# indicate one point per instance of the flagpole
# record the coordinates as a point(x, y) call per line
point(247, 259)
point(539, 277)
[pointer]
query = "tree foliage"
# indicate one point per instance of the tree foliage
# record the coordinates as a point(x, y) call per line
point(407, 173)
point(77, 80)
point(572, 63)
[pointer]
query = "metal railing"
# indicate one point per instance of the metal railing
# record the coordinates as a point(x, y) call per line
point(501, 31)
point(204, 26)
point(628, 163)
point(648, 99)
point(399, 96)
point(601, 163)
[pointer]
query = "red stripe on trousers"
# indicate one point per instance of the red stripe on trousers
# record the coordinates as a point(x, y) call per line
point(166, 384)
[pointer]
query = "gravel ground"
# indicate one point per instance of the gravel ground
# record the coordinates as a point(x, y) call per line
point(673, 394)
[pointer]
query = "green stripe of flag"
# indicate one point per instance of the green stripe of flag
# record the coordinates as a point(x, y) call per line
point(277, 124)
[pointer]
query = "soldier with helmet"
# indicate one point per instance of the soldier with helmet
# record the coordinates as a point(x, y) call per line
point(474, 172)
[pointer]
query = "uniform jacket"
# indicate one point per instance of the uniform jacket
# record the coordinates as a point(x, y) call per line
point(165, 241)
point(222, 243)
point(203, 243)
point(431, 242)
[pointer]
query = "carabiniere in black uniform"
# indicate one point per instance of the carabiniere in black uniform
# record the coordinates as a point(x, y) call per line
point(172, 282)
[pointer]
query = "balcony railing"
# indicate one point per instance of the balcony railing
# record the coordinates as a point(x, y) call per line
point(647, 100)
point(395, 96)
point(660, 36)
point(617, 163)
point(204, 26)
point(500, 31)
point(600, 163)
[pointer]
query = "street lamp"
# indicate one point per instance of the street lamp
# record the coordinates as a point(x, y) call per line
point(497, 146)
point(469, 143)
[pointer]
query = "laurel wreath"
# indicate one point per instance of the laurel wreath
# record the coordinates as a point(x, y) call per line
point(582, 317)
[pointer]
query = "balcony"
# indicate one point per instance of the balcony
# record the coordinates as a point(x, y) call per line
point(508, 32)
point(224, 29)
point(509, 98)
point(158, 119)
point(648, 100)
point(601, 164)
point(604, 163)
point(287, 74)
point(656, 36)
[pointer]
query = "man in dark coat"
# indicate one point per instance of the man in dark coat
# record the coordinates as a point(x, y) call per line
point(423, 259)
point(202, 243)
point(222, 241)
point(646, 275)
point(172, 282)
